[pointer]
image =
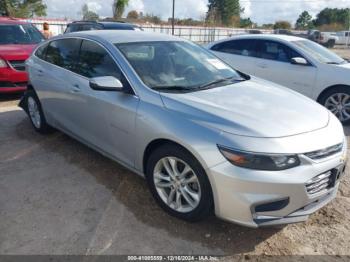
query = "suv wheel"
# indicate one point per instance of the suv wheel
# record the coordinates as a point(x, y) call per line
point(179, 183)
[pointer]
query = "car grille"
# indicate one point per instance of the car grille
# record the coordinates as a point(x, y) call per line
point(325, 180)
point(326, 152)
point(319, 183)
point(19, 65)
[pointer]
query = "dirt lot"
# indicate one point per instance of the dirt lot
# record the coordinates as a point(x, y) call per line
point(59, 197)
point(342, 51)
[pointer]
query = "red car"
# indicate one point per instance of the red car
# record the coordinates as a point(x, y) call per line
point(17, 41)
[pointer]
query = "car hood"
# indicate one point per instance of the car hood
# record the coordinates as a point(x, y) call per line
point(16, 52)
point(255, 108)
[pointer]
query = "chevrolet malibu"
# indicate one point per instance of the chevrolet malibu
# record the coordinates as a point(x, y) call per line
point(208, 139)
point(294, 62)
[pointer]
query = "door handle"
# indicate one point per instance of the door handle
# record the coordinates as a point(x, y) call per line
point(76, 88)
point(262, 65)
point(40, 72)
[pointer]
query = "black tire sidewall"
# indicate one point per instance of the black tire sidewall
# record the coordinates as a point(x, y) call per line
point(205, 206)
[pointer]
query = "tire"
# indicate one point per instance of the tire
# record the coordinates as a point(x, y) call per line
point(341, 93)
point(169, 153)
point(35, 113)
point(330, 43)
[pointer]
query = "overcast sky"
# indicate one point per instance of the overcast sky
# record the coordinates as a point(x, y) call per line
point(261, 11)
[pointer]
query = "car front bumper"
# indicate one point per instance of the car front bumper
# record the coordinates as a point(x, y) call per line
point(12, 81)
point(261, 198)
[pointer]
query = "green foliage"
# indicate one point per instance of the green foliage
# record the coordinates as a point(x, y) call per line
point(333, 16)
point(224, 12)
point(88, 15)
point(134, 15)
point(22, 8)
point(119, 8)
point(304, 21)
point(282, 25)
point(246, 23)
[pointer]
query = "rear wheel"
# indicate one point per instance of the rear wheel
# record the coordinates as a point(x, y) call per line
point(179, 183)
point(35, 113)
point(337, 100)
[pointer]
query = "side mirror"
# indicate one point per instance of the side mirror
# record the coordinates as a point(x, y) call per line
point(299, 61)
point(106, 83)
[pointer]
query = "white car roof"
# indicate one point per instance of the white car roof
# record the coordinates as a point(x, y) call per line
point(125, 36)
point(287, 38)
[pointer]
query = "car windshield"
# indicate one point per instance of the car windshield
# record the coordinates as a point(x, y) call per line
point(174, 66)
point(319, 52)
point(19, 34)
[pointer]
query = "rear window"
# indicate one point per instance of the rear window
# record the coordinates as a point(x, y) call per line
point(63, 53)
point(245, 47)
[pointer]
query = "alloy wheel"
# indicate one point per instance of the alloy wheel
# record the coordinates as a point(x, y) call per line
point(339, 105)
point(177, 184)
point(34, 112)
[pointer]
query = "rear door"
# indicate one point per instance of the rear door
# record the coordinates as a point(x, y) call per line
point(53, 79)
point(240, 54)
point(274, 64)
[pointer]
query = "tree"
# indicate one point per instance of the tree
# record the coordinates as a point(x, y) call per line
point(282, 25)
point(304, 21)
point(225, 12)
point(88, 15)
point(246, 22)
point(133, 15)
point(119, 8)
point(333, 16)
point(22, 8)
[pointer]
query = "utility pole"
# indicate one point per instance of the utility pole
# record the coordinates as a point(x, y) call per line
point(173, 19)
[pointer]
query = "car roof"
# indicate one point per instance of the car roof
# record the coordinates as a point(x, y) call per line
point(115, 36)
point(106, 24)
point(11, 21)
point(287, 38)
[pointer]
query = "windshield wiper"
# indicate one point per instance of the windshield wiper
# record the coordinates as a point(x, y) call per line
point(172, 88)
point(336, 63)
point(218, 81)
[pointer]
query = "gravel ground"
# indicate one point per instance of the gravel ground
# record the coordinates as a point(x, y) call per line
point(342, 51)
point(59, 197)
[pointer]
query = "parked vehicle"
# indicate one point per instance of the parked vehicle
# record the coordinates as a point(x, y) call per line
point(206, 137)
point(343, 38)
point(294, 62)
point(94, 25)
point(326, 39)
point(282, 32)
point(16, 43)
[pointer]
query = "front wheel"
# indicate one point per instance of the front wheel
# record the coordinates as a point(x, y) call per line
point(179, 183)
point(337, 101)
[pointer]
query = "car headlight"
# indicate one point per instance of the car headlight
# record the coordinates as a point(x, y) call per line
point(258, 161)
point(3, 63)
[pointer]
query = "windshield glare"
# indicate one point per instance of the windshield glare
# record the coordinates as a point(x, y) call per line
point(19, 34)
point(176, 64)
point(319, 52)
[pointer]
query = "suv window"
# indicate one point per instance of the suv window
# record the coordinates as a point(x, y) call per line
point(82, 27)
point(95, 61)
point(245, 47)
point(272, 50)
point(63, 53)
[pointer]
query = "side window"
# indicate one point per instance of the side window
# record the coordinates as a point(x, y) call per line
point(272, 50)
point(41, 52)
point(95, 61)
point(245, 47)
point(64, 53)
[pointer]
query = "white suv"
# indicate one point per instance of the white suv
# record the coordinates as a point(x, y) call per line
point(294, 62)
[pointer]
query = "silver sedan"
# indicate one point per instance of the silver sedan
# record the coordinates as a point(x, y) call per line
point(207, 138)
